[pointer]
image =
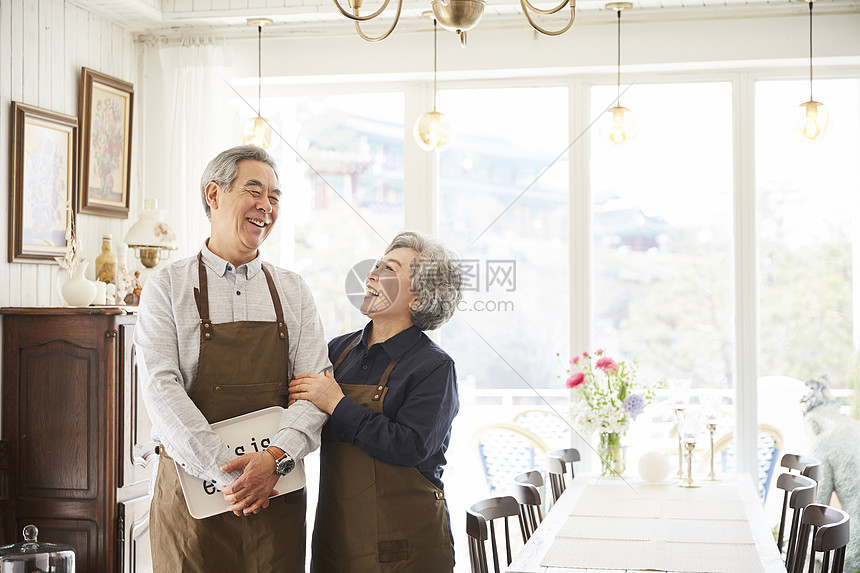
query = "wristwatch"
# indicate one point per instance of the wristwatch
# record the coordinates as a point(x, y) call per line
point(284, 464)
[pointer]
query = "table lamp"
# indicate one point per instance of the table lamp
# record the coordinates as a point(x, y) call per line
point(151, 235)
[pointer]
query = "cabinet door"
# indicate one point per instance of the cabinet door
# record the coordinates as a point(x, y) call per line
point(137, 450)
point(134, 551)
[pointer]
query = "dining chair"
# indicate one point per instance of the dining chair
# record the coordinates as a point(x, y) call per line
point(557, 462)
point(546, 424)
point(482, 519)
point(525, 490)
point(799, 493)
point(505, 450)
point(829, 529)
point(804, 465)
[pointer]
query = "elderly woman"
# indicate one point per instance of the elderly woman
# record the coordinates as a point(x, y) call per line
point(392, 400)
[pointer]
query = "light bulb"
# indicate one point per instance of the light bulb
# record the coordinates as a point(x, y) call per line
point(811, 121)
point(433, 131)
point(257, 132)
point(618, 125)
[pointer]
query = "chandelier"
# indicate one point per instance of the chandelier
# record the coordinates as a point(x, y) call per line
point(456, 15)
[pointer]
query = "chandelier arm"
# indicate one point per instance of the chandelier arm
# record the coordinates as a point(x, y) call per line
point(356, 17)
point(810, 51)
point(537, 10)
point(387, 32)
point(526, 5)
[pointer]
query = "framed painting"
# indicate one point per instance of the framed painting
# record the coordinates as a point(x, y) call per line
point(106, 109)
point(44, 176)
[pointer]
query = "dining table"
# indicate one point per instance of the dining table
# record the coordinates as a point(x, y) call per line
point(623, 525)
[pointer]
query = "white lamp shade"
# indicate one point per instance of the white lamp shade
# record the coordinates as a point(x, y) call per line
point(151, 230)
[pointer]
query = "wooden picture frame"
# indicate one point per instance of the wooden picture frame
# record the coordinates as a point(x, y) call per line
point(44, 178)
point(106, 119)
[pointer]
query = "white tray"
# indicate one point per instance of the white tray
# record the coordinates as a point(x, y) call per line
point(244, 434)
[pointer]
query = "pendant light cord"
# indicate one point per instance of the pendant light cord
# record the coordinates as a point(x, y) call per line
point(618, 84)
point(259, 70)
point(434, 64)
point(810, 49)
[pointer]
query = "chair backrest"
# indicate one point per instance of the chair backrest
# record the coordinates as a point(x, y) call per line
point(481, 521)
point(829, 529)
point(525, 490)
point(506, 450)
point(557, 462)
point(546, 424)
point(799, 493)
point(769, 445)
point(804, 465)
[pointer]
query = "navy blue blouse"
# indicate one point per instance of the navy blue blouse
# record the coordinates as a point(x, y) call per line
point(414, 428)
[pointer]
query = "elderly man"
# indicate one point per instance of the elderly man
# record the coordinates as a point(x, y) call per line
point(221, 334)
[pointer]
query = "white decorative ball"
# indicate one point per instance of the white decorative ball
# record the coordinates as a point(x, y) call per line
point(654, 467)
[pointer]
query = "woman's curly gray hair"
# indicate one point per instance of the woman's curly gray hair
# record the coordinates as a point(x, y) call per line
point(437, 279)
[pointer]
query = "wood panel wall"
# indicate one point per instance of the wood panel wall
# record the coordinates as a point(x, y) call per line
point(43, 46)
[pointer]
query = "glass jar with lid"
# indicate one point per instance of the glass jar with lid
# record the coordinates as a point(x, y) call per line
point(34, 557)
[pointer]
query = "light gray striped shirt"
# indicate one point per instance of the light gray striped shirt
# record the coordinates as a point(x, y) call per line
point(167, 341)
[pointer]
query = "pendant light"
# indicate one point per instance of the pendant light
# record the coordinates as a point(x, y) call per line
point(433, 130)
point(257, 131)
point(619, 125)
point(811, 119)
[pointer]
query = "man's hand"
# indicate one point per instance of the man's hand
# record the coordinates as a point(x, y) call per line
point(250, 493)
point(323, 391)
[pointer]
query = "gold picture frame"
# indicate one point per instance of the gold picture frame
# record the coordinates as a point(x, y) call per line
point(107, 105)
point(44, 177)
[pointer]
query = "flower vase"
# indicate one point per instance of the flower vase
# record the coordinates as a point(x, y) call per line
point(611, 454)
point(78, 291)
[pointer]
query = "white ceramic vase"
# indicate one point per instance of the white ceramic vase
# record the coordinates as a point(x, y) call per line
point(78, 291)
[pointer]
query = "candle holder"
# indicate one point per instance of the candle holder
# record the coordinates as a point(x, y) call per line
point(690, 445)
point(679, 409)
point(712, 426)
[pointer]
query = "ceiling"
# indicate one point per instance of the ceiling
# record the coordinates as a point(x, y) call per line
point(321, 18)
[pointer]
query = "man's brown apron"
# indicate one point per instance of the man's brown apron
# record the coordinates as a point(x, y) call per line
point(244, 366)
point(374, 516)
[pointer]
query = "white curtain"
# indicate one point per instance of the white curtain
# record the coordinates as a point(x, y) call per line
point(189, 120)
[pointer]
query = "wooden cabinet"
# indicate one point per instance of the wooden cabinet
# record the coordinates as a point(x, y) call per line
point(76, 435)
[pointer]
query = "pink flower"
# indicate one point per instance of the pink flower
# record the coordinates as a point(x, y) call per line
point(585, 354)
point(575, 380)
point(607, 364)
point(574, 360)
point(599, 352)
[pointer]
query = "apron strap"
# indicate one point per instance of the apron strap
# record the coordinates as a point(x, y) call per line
point(346, 351)
point(383, 382)
point(201, 297)
point(283, 333)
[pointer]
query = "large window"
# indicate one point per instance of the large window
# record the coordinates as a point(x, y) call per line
point(503, 205)
point(808, 196)
point(341, 168)
point(662, 231)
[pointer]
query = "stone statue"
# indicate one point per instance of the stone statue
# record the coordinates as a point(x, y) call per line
point(836, 442)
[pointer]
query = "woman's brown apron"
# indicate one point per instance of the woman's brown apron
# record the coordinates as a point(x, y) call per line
point(374, 516)
point(244, 366)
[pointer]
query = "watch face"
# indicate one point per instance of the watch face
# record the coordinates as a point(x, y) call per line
point(285, 465)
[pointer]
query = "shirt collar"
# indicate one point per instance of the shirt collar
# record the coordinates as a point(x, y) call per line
point(219, 265)
point(398, 344)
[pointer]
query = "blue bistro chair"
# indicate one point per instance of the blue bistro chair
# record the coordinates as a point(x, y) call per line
point(507, 450)
point(769, 447)
point(547, 425)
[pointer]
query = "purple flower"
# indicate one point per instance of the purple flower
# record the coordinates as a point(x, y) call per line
point(634, 404)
